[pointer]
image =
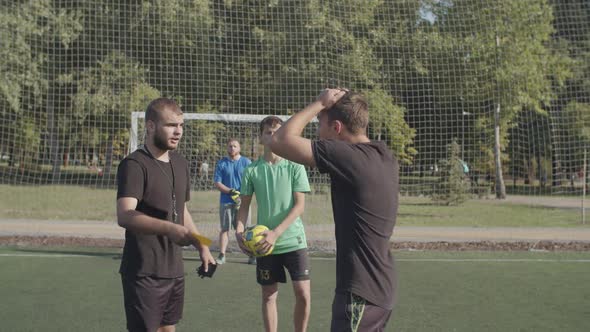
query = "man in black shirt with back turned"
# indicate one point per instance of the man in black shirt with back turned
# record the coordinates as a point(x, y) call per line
point(365, 184)
point(153, 188)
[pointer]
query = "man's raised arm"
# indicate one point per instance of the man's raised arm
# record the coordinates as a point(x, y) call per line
point(288, 143)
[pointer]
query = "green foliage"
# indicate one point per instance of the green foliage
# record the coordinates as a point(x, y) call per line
point(30, 32)
point(453, 186)
point(175, 41)
point(497, 54)
point(25, 30)
point(575, 129)
point(208, 144)
point(75, 70)
point(28, 144)
point(387, 123)
point(579, 113)
point(109, 92)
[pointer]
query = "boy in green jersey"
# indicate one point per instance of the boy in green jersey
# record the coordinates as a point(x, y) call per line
point(279, 186)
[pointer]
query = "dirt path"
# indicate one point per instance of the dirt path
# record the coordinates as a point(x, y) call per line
point(321, 237)
point(110, 230)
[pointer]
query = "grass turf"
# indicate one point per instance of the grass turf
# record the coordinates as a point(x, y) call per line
point(82, 203)
point(79, 289)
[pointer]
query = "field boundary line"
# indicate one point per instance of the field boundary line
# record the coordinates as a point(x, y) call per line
point(434, 260)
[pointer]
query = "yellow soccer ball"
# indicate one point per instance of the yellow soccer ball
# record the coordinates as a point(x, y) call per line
point(252, 236)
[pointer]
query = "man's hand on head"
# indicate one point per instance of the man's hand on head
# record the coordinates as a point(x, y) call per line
point(329, 97)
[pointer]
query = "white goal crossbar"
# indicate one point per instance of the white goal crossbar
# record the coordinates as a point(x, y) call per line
point(134, 138)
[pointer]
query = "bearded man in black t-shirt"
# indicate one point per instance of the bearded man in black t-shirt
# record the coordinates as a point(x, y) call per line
point(364, 179)
point(153, 188)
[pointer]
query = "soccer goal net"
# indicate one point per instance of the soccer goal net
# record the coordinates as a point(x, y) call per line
point(486, 98)
point(205, 140)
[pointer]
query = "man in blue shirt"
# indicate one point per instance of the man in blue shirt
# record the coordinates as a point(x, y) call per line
point(228, 179)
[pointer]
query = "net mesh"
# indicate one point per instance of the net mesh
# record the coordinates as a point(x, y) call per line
point(511, 76)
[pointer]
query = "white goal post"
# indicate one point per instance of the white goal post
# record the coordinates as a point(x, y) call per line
point(134, 133)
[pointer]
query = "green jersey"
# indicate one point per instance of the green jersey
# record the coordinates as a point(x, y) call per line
point(274, 186)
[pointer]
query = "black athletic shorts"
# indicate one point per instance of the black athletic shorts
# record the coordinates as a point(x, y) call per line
point(271, 269)
point(152, 302)
point(352, 313)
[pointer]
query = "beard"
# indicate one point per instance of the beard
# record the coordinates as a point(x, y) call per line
point(162, 143)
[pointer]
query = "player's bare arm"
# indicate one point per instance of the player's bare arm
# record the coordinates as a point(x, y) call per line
point(203, 248)
point(271, 236)
point(135, 221)
point(241, 222)
point(223, 188)
point(288, 143)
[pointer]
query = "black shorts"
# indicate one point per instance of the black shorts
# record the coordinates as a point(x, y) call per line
point(352, 313)
point(271, 269)
point(152, 302)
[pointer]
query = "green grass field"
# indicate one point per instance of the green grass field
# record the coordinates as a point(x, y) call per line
point(79, 289)
point(82, 203)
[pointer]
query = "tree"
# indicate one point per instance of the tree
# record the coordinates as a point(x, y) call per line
point(106, 96)
point(572, 37)
point(453, 188)
point(576, 131)
point(209, 143)
point(30, 34)
point(387, 123)
point(175, 41)
point(356, 31)
point(279, 55)
point(498, 62)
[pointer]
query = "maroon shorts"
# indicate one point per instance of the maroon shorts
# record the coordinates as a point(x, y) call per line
point(352, 313)
point(271, 269)
point(152, 302)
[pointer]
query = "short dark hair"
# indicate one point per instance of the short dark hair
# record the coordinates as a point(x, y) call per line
point(270, 121)
point(233, 139)
point(156, 106)
point(352, 110)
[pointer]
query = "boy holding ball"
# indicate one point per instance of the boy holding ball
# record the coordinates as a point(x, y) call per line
point(280, 186)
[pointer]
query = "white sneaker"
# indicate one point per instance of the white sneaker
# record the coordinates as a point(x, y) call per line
point(220, 260)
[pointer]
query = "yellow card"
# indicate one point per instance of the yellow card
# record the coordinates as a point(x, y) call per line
point(202, 239)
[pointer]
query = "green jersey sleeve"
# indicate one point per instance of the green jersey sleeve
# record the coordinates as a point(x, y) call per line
point(247, 187)
point(300, 181)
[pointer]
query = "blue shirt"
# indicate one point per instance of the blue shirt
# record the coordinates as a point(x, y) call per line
point(229, 172)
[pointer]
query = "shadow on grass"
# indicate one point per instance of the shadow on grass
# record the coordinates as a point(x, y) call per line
point(432, 203)
point(89, 252)
point(421, 204)
point(114, 255)
point(416, 215)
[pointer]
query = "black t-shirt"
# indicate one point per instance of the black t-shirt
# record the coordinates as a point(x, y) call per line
point(139, 176)
point(365, 186)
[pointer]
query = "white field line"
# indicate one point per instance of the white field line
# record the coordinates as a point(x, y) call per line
point(434, 260)
point(47, 255)
point(478, 260)
point(493, 260)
